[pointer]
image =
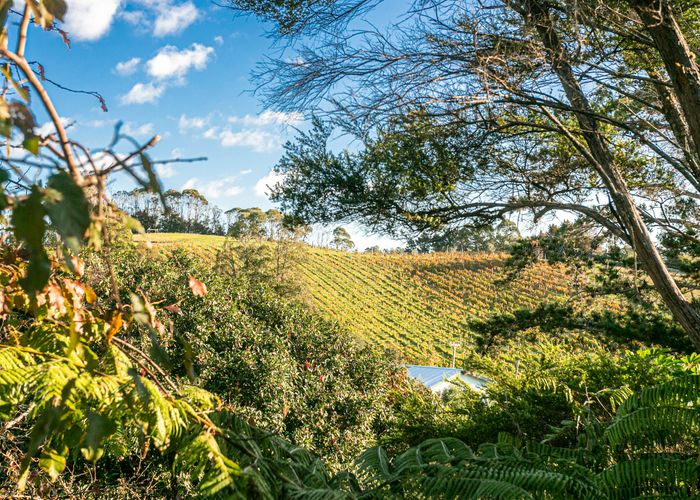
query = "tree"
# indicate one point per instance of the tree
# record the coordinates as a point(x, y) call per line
point(468, 112)
point(496, 238)
point(342, 239)
point(247, 223)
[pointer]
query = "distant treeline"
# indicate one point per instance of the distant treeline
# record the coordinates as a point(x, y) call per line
point(188, 211)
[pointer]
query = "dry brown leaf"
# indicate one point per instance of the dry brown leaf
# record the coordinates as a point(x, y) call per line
point(78, 265)
point(198, 288)
point(173, 308)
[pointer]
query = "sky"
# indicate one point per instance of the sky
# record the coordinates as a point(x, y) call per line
point(182, 70)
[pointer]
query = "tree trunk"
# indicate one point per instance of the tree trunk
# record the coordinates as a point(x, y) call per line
point(683, 312)
point(679, 60)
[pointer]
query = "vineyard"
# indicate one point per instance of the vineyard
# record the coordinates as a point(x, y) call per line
point(415, 304)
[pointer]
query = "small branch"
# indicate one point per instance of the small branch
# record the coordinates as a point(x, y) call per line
point(22, 64)
point(23, 28)
point(160, 371)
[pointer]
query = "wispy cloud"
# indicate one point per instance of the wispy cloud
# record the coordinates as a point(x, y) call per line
point(161, 17)
point(142, 93)
point(214, 189)
point(168, 67)
point(165, 171)
point(128, 67)
point(49, 128)
point(134, 130)
point(191, 122)
point(256, 139)
point(173, 19)
point(268, 118)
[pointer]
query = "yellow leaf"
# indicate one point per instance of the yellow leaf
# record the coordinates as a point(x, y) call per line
point(90, 294)
point(114, 326)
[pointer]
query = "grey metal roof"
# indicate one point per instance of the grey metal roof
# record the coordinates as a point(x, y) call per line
point(431, 376)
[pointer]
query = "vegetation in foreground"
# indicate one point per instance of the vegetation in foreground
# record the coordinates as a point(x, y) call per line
point(104, 389)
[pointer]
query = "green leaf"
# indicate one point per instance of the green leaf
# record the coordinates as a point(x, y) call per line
point(134, 225)
point(29, 227)
point(140, 310)
point(158, 353)
point(31, 144)
point(99, 428)
point(68, 209)
point(52, 463)
point(38, 272)
point(28, 220)
point(19, 112)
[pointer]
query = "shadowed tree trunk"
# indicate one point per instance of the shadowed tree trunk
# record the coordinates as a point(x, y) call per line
point(603, 161)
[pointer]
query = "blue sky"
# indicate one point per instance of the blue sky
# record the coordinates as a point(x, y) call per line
point(179, 69)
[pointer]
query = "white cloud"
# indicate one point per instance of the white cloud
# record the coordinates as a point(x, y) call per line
point(170, 62)
point(134, 130)
point(262, 187)
point(269, 118)
point(211, 133)
point(48, 127)
point(219, 40)
point(134, 17)
point(165, 171)
point(90, 19)
point(257, 140)
point(142, 93)
point(214, 189)
point(173, 19)
point(128, 67)
point(99, 123)
point(246, 171)
point(186, 122)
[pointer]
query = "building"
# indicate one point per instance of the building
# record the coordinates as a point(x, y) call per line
point(439, 379)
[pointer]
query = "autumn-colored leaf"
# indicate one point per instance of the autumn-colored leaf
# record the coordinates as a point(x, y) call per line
point(90, 295)
point(198, 288)
point(78, 265)
point(114, 326)
point(56, 298)
point(173, 308)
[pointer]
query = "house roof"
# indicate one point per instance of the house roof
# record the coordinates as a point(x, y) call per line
point(432, 376)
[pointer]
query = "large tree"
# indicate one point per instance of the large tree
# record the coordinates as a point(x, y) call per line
point(467, 111)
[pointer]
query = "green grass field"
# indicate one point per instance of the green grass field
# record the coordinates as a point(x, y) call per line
point(416, 304)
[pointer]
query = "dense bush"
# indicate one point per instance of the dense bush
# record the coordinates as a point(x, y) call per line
point(275, 363)
point(541, 391)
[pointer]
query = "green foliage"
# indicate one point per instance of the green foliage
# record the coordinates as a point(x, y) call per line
point(414, 304)
point(552, 390)
point(617, 325)
point(80, 392)
point(448, 468)
point(493, 238)
point(286, 369)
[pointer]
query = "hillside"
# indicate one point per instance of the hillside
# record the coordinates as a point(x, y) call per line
point(416, 304)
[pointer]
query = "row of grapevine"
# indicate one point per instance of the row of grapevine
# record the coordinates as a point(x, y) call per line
point(418, 304)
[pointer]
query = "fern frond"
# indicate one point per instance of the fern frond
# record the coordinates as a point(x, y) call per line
point(651, 475)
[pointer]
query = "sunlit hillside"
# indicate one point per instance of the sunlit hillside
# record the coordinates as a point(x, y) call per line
point(416, 304)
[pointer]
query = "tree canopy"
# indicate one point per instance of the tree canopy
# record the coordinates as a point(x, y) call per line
point(466, 112)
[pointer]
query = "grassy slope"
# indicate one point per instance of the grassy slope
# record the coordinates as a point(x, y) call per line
point(414, 303)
